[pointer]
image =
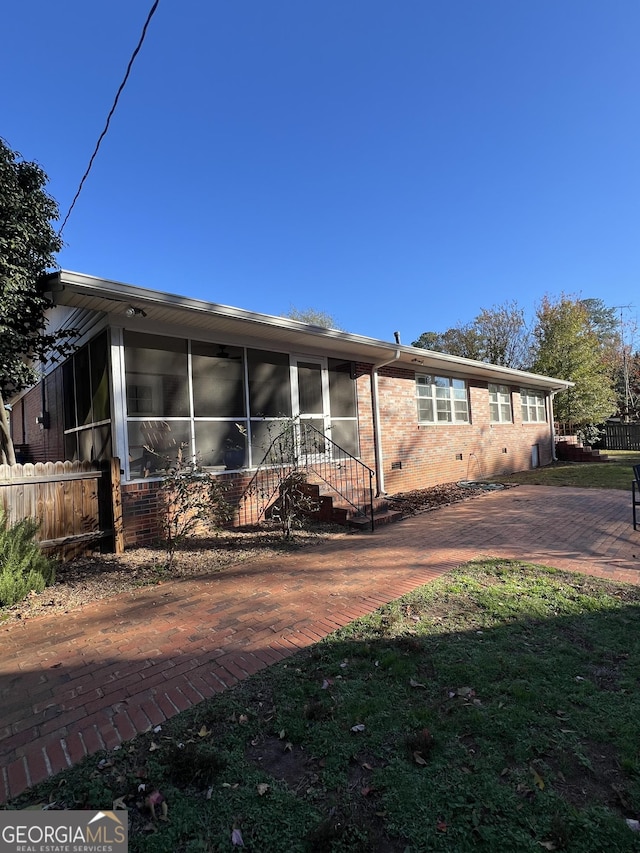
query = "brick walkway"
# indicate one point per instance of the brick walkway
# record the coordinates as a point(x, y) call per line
point(71, 686)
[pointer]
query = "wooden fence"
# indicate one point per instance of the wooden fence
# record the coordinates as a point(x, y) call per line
point(621, 436)
point(77, 504)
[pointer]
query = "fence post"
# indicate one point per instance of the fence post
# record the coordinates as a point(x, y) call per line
point(116, 504)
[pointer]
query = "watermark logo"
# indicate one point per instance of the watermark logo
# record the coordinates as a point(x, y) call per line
point(63, 832)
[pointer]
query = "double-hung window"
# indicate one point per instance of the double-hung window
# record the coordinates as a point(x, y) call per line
point(442, 399)
point(533, 408)
point(500, 404)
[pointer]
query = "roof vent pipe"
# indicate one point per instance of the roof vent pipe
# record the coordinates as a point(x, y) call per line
point(396, 335)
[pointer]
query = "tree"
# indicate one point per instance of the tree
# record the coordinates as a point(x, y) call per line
point(313, 317)
point(498, 335)
point(28, 243)
point(505, 339)
point(568, 347)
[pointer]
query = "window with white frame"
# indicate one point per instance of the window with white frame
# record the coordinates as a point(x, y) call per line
point(533, 408)
point(442, 399)
point(500, 404)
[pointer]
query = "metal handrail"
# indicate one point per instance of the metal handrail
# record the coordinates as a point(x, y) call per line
point(301, 446)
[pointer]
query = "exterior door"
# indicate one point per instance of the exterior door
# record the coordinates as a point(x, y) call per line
point(310, 386)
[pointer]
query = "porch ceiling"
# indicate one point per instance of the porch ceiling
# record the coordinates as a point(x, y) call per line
point(164, 309)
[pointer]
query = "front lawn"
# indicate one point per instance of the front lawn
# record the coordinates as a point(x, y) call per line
point(496, 709)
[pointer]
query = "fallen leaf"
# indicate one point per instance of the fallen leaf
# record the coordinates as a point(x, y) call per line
point(359, 727)
point(119, 804)
point(465, 691)
point(417, 757)
point(262, 788)
point(414, 683)
point(281, 734)
point(366, 766)
point(288, 747)
point(548, 845)
point(634, 825)
point(537, 778)
point(236, 838)
point(204, 731)
point(243, 719)
point(153, 746)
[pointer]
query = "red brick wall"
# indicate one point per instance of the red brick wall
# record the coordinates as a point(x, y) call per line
point(140, 508)
point(428, 454)
point(44, 445)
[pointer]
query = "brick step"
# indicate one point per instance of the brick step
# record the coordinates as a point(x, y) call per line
point(382, 517)
point(337, 510)
point(571, 452)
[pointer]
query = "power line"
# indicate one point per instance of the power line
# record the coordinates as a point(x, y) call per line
point(111, 112)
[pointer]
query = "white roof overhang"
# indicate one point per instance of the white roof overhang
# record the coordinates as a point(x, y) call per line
point(164, 310)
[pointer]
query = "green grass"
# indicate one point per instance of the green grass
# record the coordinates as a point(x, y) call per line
point(615, 474)
point(501, 711)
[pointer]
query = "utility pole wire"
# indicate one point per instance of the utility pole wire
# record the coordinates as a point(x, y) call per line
point(111, 112)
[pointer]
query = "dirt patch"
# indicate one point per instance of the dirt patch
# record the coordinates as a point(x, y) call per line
point(593, 776)
point(285, 762)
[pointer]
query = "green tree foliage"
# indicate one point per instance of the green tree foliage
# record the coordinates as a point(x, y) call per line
point(497, 335)
point(313, 317)
point(28, 243)
point(568, 347)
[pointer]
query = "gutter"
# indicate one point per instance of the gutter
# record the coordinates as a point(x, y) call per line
point(377, 431)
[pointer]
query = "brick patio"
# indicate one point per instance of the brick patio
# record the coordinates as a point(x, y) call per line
point(74, 685)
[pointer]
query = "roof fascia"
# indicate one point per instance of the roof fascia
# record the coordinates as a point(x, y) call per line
point(369, 349)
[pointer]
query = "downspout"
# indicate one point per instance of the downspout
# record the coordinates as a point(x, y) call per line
point(552, 428)
point(377, 432)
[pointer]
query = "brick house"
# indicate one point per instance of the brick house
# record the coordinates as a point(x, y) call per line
point(155, 371)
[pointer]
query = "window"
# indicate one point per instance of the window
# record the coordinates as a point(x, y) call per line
point(500, 404)
point(533, 408)
point(442, 400)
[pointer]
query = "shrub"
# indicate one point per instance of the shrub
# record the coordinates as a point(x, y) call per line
point(23, 566)
point(189, 499)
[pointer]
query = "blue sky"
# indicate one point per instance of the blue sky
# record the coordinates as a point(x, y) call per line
point(398, 164)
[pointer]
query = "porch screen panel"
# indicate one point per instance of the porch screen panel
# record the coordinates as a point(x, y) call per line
point(345, 434)
point(218, 381)
point(310, 388)
point(220, 443)
point(83, 388)
point(343, 405)
point(154, 445)
point(342, 389)
point(156, 375)
point(98, 354)
point(264, 434)
point(269, 384)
